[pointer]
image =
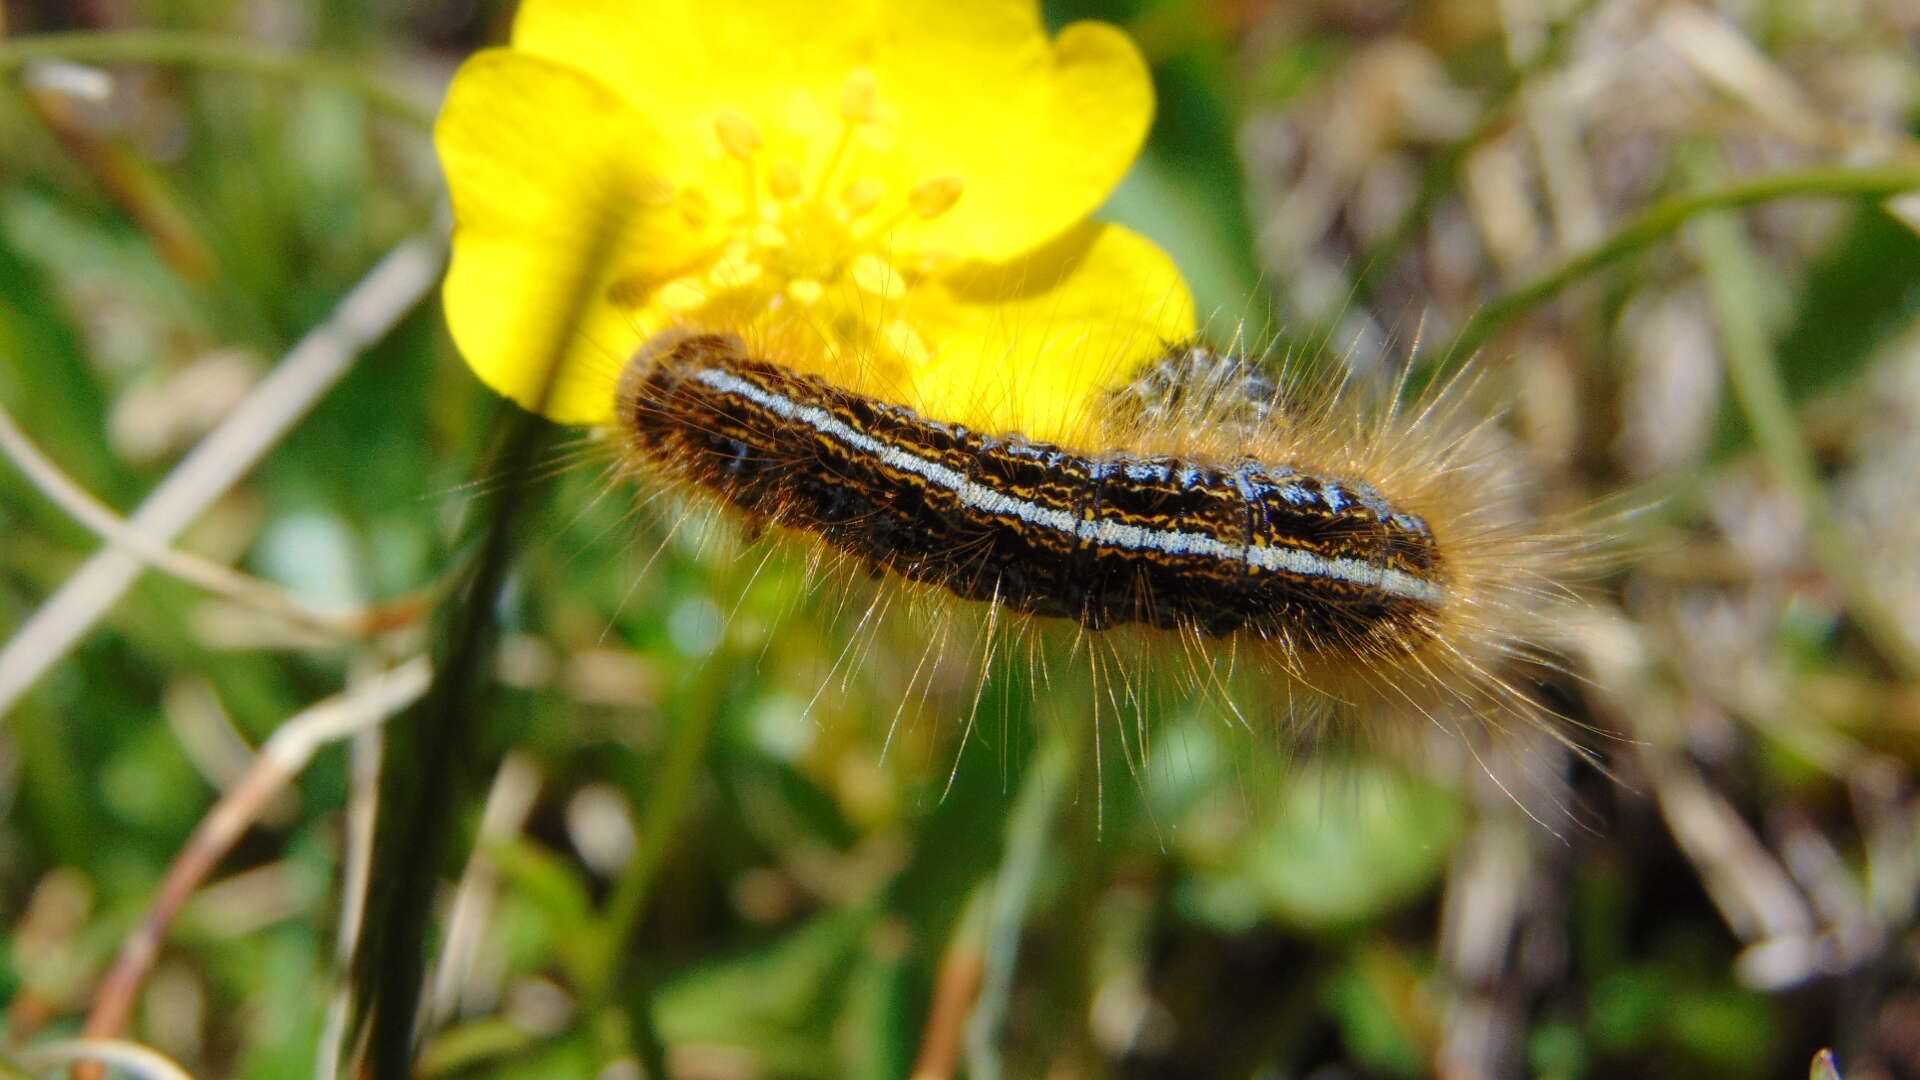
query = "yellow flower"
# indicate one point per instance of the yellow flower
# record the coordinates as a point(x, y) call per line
point(893, 193)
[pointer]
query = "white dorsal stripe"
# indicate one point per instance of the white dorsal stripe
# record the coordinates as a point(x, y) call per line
point(1101, 532)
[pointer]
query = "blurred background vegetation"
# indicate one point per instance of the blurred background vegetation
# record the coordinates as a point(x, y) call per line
point(678, 839)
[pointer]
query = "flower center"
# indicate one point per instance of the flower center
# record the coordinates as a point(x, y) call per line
point(798, 237)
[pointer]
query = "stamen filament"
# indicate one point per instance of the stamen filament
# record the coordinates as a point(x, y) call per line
point(834, 158)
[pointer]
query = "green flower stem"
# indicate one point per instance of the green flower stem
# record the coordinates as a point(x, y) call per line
point(1733, 285)
point(671, 789)
point(1029, 827)
point(187, 49)
point(1655, 223)
point(666, 804)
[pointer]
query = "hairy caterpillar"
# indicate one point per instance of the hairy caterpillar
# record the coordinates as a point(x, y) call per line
point(1381, 557)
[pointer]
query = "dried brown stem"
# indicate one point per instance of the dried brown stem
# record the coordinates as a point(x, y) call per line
point(508, 804)
point(355, 874)
point(229, 452)
point(285, 754)
point(954, 990)
point(83, 507)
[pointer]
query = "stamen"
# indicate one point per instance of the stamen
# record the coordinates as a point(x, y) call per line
point(734, 271)
point(935, 197)
point(680, 295)
point(859, 106)
point(768, 235)
point(741, 138)
point(860, 97)
point(863, 195)
point(805, 291)
point(834, 158)
point(907, 343)
point(875, 237)
point(784, 180)
point(872, 274)
point(738, 135)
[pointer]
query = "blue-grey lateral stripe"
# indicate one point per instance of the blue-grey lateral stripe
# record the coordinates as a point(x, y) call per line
point(1099, 532)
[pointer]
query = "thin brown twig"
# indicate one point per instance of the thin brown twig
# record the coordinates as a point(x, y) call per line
point(141, 191)
point(229, 452)
point(1484, 908)
point(355, 875)
point(955, 987)
point(1755, 895)
point(285, 754)
point(141, 1061)
point(218, 578)
point(504, 813)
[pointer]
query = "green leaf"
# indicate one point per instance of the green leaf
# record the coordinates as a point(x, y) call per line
point(1863, 291)
point(1368, 1023)
point(778, 1002)
point(561, 896)
point(1347, 843)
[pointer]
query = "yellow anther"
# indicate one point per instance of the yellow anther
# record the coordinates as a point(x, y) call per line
point(768, 235)
point(859, 97)
point(907, 343)
point(935, 197)
point(805, 291)
point(737, 133)
point(784, 179)
point(872, 274)
point(863, 195)
point(680, 294)
point(734, 272)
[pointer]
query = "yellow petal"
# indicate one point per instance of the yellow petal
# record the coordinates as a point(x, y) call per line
point(1034, 345)
point(664, 54)
point(555, 184)
point(1036, 132)
point(685, 63)
point(1037, 152)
